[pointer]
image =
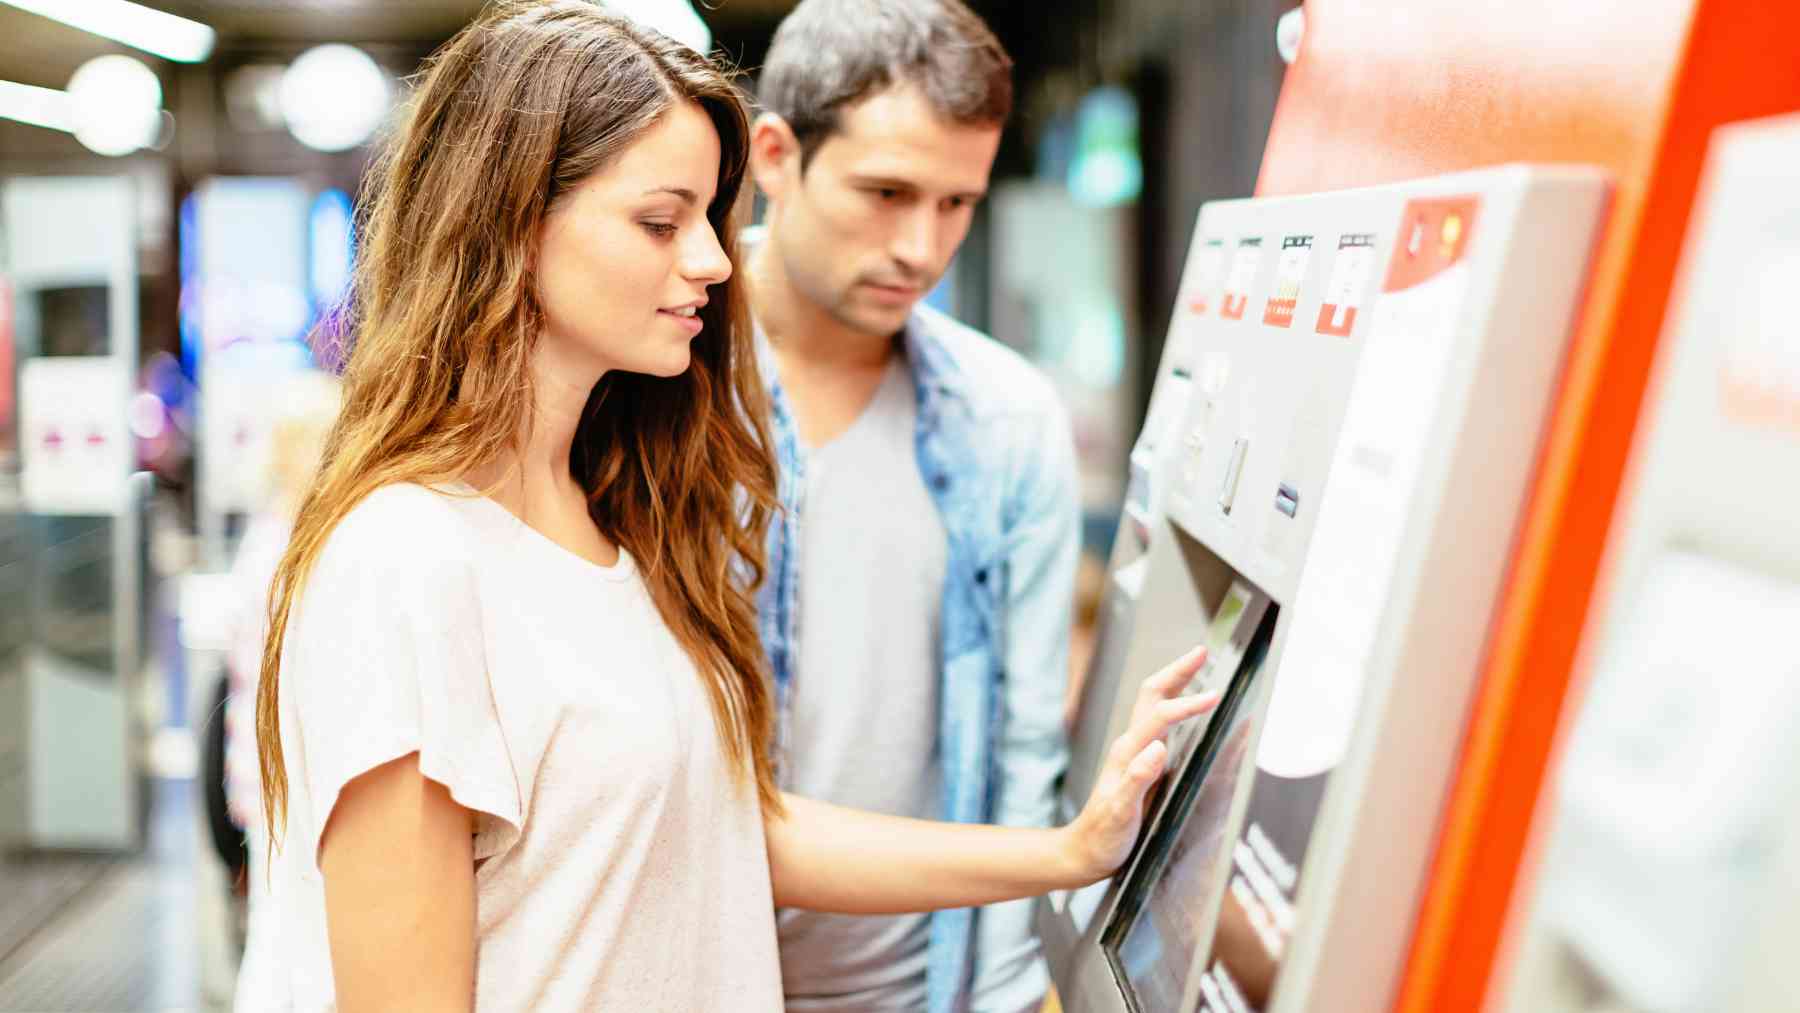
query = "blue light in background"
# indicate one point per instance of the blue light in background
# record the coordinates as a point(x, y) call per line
point(188, 240)
point(331, 235)
point(1107, 169)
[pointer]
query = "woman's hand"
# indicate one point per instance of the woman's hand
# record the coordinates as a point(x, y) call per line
point(826, 858)
point(1101, 837)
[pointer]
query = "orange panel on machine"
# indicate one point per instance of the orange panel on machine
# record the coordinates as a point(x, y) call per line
point(1406, 88)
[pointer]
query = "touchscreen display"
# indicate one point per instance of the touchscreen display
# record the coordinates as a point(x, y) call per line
point(1152, 941)
point(1228, 636)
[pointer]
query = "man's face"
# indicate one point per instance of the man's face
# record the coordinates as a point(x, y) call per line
point(872, 223)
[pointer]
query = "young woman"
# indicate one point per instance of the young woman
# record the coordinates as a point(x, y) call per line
point(513, 710)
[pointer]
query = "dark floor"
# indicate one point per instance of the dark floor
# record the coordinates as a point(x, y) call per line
point(105, 934)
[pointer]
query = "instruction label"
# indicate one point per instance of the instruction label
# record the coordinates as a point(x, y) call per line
point(1243, 275)
point(1344, 293)
point(1290, 271)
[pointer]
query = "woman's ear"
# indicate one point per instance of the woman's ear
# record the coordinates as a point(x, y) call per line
point(774, 156)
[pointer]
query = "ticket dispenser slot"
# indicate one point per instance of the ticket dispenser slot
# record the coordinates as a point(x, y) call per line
point(1378, 402)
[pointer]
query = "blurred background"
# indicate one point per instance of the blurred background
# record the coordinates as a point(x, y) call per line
point(177, 189)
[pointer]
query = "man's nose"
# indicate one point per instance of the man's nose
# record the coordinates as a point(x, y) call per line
point(915, 243)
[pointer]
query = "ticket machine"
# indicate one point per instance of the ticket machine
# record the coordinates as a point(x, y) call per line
point(1667, 875)
point(1340, 438)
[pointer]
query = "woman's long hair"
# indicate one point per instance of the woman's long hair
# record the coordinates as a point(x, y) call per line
point(507, 118)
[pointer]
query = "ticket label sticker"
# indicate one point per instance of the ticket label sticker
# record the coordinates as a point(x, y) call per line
point(1345, 291)
point(1243, 275)
point(1203, 282)
point(1290, 272)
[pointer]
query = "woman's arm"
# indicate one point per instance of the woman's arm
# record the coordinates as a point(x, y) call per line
point(398, 861)
point(827, 858)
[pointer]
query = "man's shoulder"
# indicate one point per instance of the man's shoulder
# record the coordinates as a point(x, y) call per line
point(992, 377)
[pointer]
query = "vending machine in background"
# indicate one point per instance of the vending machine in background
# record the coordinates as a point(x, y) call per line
point(1338, 448)
point(1665, 874)
point(70, 672)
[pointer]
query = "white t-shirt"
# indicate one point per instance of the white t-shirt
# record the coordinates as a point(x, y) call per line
point(622, 862)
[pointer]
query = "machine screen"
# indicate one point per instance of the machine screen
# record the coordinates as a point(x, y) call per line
point(71, 320)
point(1228, 637)
point(1153, 938)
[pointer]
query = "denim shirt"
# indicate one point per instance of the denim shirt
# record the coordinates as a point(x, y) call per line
point(994, 447)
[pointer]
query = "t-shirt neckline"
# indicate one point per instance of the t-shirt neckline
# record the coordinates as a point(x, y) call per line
point(621, 569)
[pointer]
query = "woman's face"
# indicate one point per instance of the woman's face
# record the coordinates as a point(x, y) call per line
point(625, 259)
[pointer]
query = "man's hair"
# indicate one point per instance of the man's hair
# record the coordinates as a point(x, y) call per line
point(828, 54)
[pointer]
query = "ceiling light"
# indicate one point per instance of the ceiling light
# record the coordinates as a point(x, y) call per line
point(334, 97)
point(40, 107)
point(115, 105)
point(145, 28)
point(675, 18)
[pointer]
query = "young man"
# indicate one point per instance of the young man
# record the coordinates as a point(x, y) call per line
point(917, 608)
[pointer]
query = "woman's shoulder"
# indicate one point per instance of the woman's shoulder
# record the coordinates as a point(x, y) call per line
point(402, 534)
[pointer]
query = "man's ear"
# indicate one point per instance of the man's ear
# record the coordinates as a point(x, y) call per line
point(774, 155)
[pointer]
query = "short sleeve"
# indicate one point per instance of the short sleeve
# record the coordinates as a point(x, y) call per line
point(387, 657)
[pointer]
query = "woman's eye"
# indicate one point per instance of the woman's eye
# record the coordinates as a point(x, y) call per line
point(659, 228)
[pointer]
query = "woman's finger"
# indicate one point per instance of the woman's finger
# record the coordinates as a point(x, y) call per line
point(1174, 677)
point(1154, 722)
point(1128, 801)
point(1148, 767)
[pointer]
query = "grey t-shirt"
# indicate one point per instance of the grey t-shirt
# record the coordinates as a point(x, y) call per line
point(865, 692)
